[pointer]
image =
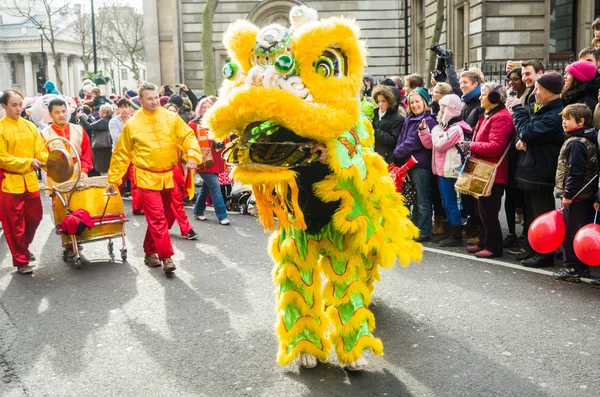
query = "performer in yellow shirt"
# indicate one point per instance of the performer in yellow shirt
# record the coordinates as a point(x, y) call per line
point(22, 152)
point(150, 140)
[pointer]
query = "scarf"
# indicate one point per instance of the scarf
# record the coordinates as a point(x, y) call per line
point(474, 93)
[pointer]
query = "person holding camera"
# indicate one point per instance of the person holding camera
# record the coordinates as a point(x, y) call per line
point(100, 136)
point(444, 69)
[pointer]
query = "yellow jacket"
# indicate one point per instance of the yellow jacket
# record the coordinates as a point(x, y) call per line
point(20, 143)
point(150, 141)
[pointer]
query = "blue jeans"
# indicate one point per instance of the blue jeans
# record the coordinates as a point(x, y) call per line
point(422, 211)
point(210, 184)
point(449, 199)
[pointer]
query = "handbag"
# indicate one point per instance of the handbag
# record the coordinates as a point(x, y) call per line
point(476, 177)
point(205, 149)
point(409, 192)
point(102, 140)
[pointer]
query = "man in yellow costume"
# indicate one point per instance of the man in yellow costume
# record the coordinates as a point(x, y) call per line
point(150, 140)
point(292, 100)
point(22, 152)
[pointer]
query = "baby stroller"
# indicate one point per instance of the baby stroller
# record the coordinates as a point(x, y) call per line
point(240, 199)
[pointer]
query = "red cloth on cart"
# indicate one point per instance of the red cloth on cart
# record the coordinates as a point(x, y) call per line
point(76, 222)
point(20, 215)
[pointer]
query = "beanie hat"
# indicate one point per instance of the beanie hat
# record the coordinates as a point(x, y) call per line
point(582, 71)
point(177, 100)
point(163, 100)
point(453, 107)
point(135, 103)
point(552, 81)
point(424, 94)
point(130, 94)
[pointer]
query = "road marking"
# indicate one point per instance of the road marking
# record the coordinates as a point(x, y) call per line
point(494, 262)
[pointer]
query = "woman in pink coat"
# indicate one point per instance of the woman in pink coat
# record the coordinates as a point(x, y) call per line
point(493, 133)
point(446, 161)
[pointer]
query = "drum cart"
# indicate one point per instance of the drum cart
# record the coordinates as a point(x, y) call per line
point(107, 212)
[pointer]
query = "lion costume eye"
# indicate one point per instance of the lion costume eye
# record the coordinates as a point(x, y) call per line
point(331, 63)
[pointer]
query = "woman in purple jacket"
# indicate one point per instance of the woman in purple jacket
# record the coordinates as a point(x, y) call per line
point(409, 144)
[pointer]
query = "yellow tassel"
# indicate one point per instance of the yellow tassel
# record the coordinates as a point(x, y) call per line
point(361, 315)
point(303, 323)
point(304, 346)
point(364, 342)
point(356, 287)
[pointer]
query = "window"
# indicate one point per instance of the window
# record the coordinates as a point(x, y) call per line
point(562, 28)
point(123, 74)
point(13, 71)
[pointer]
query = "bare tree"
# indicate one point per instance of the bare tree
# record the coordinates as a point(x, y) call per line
point(437, 33)
point(122, 35)
point(42, 14)
point(208, 57)
point(82, 32)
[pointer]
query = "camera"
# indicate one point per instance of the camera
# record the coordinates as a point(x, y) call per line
point(437, 49)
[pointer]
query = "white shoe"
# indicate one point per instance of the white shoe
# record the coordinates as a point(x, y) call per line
point(357, 365)
point(307, 360)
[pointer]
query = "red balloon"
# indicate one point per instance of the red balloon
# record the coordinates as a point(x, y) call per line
point(547, 232)
point(587, 244)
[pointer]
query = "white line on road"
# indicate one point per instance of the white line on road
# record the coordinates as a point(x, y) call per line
point(494, 262)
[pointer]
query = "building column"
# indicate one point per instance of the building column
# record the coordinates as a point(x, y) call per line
point(51, 72)
point(64, 74)
point(28, 76)
point(77, 67)
point(109, 85)
point(4, 72)
point(152, 42)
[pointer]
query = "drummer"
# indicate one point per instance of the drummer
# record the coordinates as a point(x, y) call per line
point(22, 152)
point(150, 140)
point(60, 127)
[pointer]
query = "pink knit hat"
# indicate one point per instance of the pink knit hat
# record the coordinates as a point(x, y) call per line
point(453, 107)
point(582, 71)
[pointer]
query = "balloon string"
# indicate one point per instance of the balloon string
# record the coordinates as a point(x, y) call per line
point(583, 188)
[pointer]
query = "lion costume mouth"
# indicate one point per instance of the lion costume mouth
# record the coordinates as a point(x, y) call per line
point(270, 144)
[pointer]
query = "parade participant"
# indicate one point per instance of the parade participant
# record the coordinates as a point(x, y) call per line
point(177, 212)
point(150, 140)
point(61, 127)
point(115, 127)
point(339, 218)
point(22, 153)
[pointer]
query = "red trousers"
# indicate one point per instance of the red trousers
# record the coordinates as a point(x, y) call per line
point(135, 197)
point(21, 215)
point(157, 206)
point(178, 212)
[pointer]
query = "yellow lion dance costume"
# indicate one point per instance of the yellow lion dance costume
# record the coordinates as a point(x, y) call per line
point(287, 89)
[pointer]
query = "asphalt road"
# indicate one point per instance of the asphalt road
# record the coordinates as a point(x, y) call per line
point(451, 326)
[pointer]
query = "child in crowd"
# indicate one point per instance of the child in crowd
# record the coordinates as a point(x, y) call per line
point(596, 29)
point(446, 161)
point(575, 183)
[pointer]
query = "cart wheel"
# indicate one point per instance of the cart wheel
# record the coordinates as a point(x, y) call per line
point(124, 254)
point(78, 263)
point(110, 247)
point(243, 209)
point(65, 257)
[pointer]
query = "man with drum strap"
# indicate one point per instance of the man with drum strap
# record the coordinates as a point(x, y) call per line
point(150, 140)
point(61, 127)
point(22, 152)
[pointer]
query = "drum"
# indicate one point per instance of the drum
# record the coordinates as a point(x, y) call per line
point(88, 195)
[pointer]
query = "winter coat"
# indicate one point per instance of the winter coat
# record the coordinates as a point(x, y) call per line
point(493, 134)
point(543, 135)
point(446, 160)
point(472, 112)
point(409, 143)
point(387, 131)
point(586, 93)
point(577, 165)
point(95, 128)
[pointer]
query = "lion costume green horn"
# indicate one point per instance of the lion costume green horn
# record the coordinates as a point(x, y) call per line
point(287, 90)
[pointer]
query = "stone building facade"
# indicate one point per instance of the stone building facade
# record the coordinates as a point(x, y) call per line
point(398, 32)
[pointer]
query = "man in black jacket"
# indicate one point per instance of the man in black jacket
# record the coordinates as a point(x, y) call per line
point(539, 138)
